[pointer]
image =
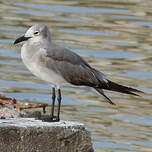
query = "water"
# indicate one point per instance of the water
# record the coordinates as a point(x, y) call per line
point(115, 37)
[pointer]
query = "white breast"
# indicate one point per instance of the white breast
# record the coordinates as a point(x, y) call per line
point(32, 62)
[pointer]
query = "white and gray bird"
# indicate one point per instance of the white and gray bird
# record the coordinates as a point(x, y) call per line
point(61, 67)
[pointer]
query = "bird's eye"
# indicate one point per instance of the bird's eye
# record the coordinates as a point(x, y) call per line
point(36, 33)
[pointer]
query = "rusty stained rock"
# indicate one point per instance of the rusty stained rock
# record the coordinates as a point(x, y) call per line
point(12, 108)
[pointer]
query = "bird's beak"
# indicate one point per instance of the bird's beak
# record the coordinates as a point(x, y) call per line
point(23, 38)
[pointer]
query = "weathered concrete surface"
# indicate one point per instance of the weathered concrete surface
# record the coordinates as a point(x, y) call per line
point(30, 135)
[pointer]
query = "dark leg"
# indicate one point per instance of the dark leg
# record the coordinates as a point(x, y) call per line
point(53, 103)
point(52, 118)
point(59, 104)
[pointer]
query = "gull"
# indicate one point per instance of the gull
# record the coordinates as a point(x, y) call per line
point(60, 67)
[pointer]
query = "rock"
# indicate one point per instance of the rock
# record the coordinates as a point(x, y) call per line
point(30, 135)
point(8, 111)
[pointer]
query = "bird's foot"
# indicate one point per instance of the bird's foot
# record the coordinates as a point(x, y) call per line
point(50, 119)
point(54, 119)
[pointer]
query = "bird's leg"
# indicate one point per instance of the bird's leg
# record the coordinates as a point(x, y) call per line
point(53, 102)
point(59, 104)
point(52, 118)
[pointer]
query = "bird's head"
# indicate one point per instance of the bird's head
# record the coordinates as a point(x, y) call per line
point(35, 33)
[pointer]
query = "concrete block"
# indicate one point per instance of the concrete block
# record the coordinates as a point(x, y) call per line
point(30, 135)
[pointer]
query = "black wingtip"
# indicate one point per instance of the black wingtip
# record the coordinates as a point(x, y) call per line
point(122, 89)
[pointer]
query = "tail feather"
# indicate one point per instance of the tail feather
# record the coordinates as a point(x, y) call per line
point(120, 88)
point(109, 85)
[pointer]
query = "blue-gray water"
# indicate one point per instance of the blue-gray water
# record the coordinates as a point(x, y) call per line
point(115, 37)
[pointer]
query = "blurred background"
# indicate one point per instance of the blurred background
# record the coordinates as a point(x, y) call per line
point(115, 37)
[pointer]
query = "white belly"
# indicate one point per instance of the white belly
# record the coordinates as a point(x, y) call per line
point(38, 69)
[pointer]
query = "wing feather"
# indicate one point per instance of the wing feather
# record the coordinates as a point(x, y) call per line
point(70, 66)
